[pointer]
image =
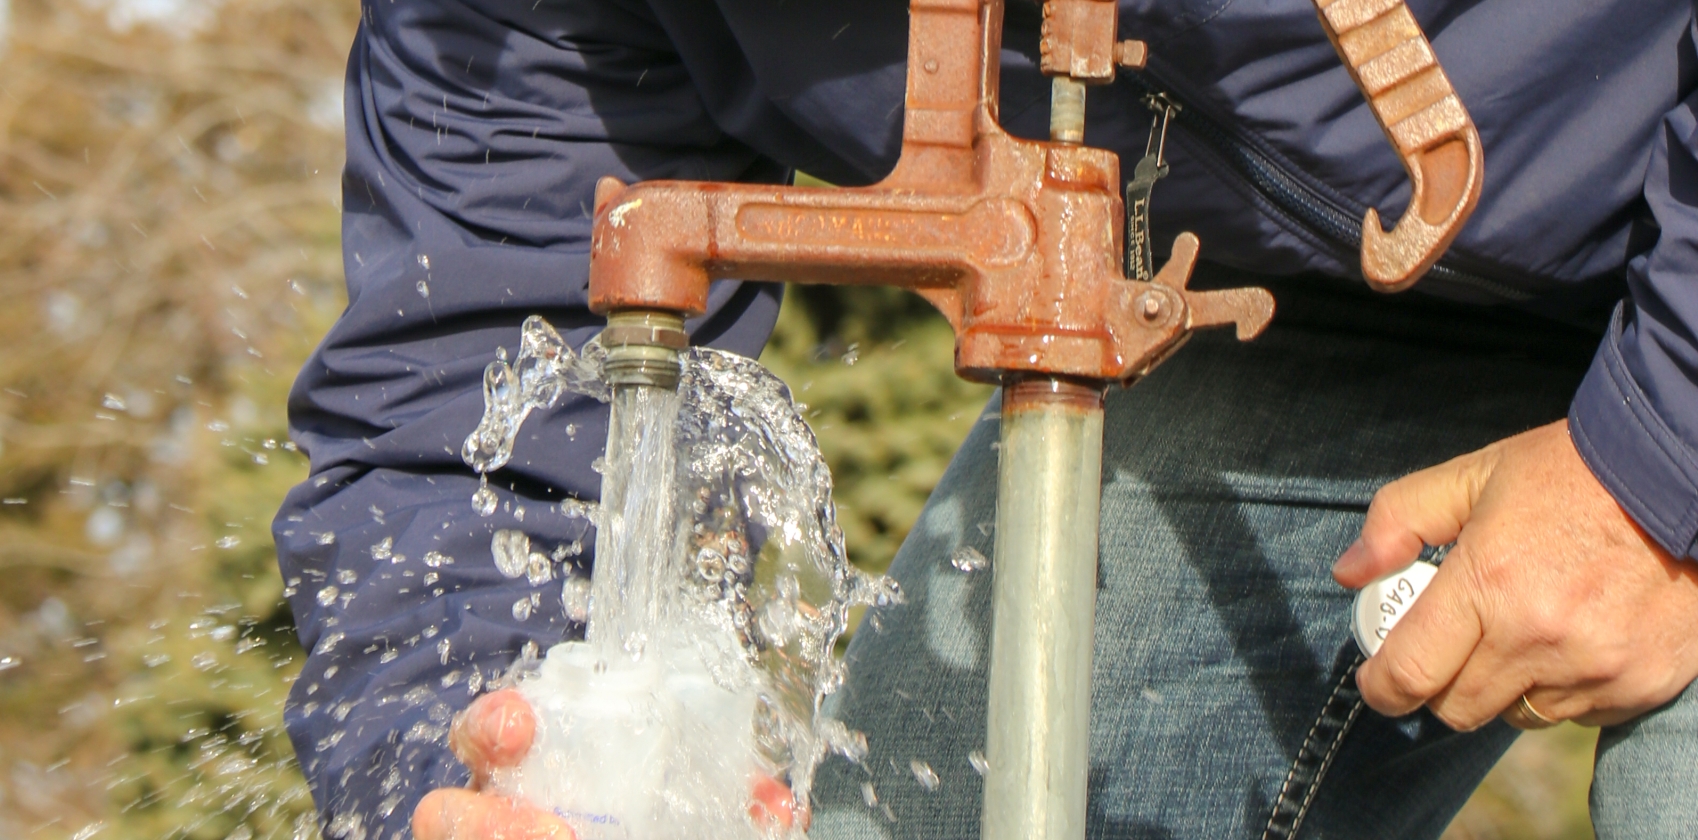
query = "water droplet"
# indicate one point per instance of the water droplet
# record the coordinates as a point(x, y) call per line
point(539, 571)
point(869, 795)
point(346, 577)
point(483, 501)
point(981, 765)
point(424, 262)
point(383, 550)
point(575, 597)
point(327, 595)
point(853, 355)
point(924, 774)
point(522, 609)
point(324, 537)
point(228, 541)
point(512, 551)
point(105, 526)
point(968, 559)
point(424, 289)
point(436, 559)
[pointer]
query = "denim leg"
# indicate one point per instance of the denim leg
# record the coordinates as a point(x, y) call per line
point(1223, 703)
point(1645, 783)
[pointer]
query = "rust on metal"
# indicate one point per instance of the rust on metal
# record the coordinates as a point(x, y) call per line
point(1389, 57)
point(1025, 393)
point(1078, 40)
point(1015, 241)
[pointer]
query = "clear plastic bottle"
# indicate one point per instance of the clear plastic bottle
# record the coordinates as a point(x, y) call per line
point(637, 750)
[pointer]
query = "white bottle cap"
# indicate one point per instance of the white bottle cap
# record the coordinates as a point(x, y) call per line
point(1381, 604)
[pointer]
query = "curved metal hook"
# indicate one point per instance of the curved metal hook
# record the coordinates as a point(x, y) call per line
point(1389, 57)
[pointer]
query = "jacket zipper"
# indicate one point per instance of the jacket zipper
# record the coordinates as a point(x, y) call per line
point(1296, 201)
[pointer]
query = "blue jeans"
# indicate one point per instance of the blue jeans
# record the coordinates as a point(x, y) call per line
point(1223, 701)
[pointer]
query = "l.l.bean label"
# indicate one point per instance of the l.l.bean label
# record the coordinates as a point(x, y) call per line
point(1382, 604)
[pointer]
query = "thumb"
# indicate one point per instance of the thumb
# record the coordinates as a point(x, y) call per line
point(1423, 508)
point(495, 731)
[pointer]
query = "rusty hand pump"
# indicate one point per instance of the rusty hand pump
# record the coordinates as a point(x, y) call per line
point(1014, 241)
point(1017, 243)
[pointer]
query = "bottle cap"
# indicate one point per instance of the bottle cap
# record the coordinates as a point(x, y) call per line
point(1381, 604)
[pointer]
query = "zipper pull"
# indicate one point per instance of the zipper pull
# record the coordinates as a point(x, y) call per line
point(1152, 167)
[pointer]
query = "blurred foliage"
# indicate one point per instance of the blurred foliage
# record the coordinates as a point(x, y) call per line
point(1537, 792)
point(874, 369)
point(168, 256)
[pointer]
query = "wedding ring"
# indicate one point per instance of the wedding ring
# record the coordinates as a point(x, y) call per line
point(1522, 715)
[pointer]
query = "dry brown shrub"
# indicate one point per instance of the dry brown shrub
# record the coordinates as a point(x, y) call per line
point(168, 252)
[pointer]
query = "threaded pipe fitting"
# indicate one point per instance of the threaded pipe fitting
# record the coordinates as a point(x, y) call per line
point(643, 348)
point(1067, 110)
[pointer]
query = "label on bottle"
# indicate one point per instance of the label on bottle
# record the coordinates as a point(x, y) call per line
point(1382, 604)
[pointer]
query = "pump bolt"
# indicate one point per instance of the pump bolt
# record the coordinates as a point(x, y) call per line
point(1131, 54)
point(1150, 308)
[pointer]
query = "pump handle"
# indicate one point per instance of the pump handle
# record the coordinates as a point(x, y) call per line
point(1392, 62)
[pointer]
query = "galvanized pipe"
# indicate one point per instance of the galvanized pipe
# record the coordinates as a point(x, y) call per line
point(1066, 110)
point(1044, 600)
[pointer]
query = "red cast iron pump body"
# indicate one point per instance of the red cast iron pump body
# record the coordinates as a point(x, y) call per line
point(1017, 242)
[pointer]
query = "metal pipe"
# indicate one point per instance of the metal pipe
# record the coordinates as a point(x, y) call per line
point(1044, 600)
point(1066, 110)
point(643, 347)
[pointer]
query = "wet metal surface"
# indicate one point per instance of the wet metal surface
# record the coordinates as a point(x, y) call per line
point(1017, 242)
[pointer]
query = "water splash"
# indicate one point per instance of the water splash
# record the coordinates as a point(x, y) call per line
point(720, 588)
point(545, 370)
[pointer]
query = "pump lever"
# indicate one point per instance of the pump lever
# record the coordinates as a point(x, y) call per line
point(1248, 309)
point(1392, 62)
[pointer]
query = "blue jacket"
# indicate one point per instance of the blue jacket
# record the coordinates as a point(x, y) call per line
point(476, 132)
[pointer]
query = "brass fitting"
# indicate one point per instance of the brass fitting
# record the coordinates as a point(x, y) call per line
point(644, 347)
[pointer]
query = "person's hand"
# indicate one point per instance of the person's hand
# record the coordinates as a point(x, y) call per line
point(1551, 592)
point(495, 732)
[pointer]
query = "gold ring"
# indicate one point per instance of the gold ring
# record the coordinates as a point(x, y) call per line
point(1522, 715)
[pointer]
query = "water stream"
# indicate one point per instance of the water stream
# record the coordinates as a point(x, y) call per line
point(720, 588)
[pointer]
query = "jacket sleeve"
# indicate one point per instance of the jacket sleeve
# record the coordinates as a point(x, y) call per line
point(475, 135)
point(1635, 418)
